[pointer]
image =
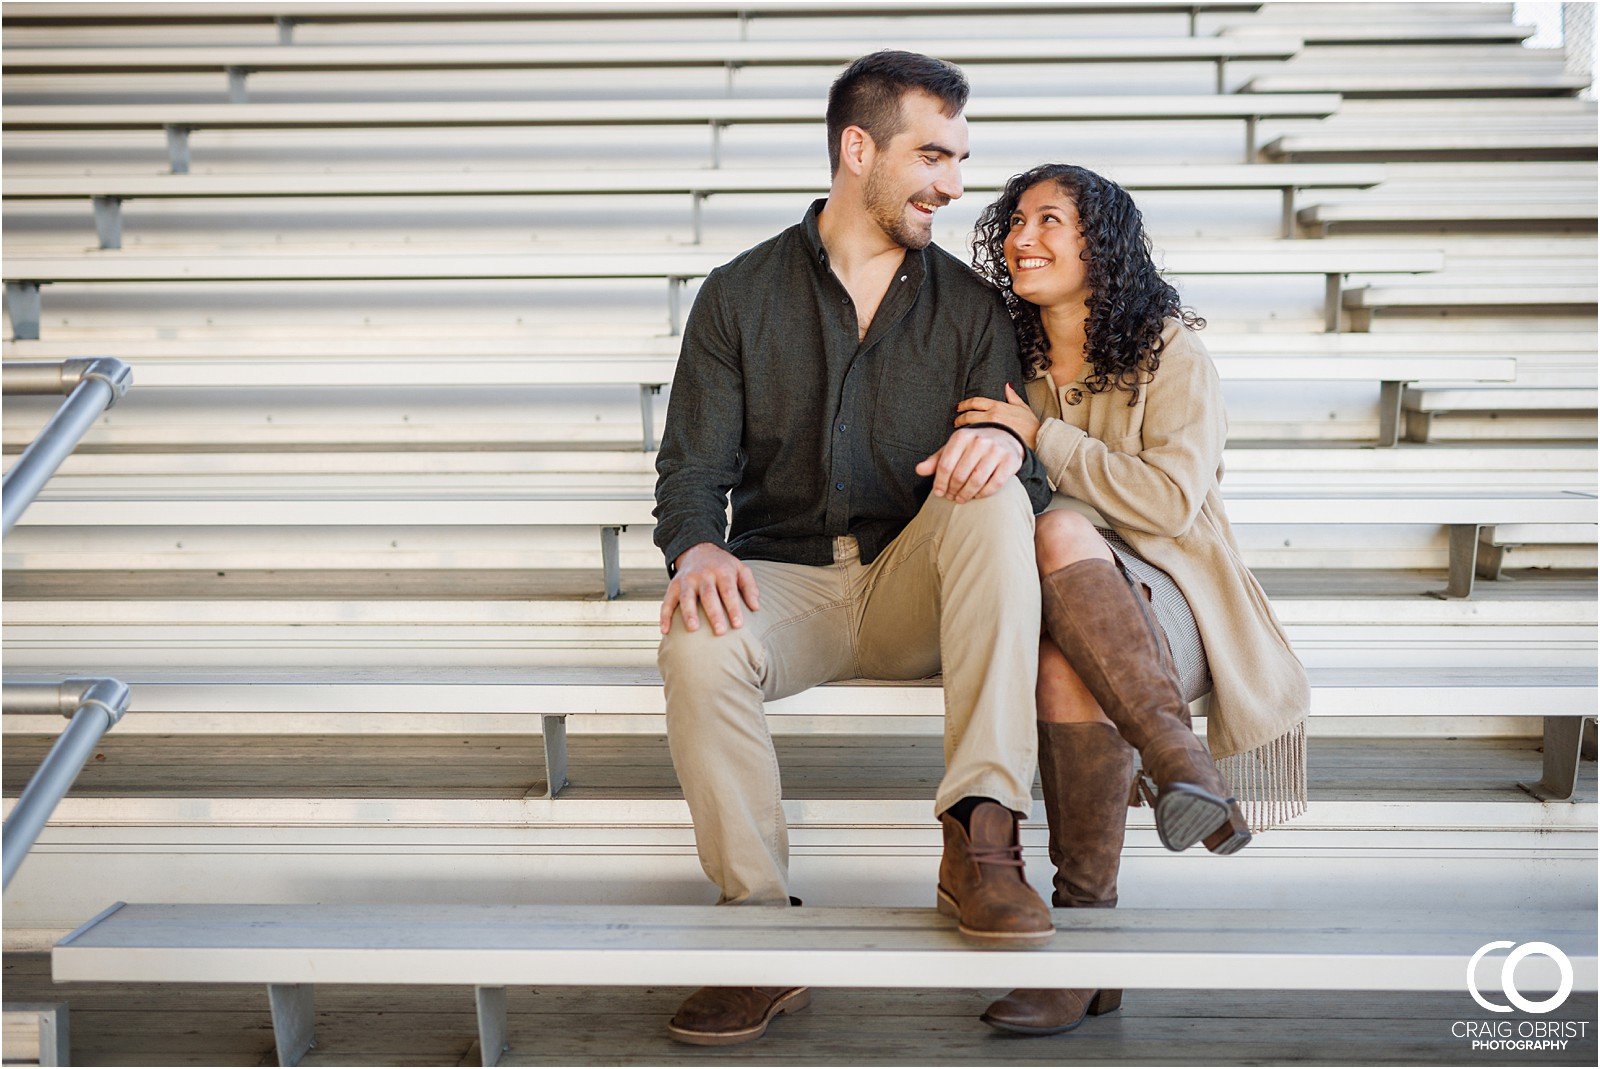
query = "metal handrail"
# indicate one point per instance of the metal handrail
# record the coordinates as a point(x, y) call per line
point(94, 706)
point(92, 385)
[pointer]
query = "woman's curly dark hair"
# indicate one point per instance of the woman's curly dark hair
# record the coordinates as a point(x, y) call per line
point(1128, 298)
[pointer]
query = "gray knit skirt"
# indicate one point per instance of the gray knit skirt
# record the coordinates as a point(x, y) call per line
point(1171, 612)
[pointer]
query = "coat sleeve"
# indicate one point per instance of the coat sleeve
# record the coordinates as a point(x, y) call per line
point(1160, 488)
point(996, 363)
point(701, 458)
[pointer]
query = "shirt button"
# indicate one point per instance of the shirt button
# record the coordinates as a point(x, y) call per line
point(838, 486)
point(843, 427)
point(902, 278)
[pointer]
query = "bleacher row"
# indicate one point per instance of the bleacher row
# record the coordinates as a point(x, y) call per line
point(369, 538)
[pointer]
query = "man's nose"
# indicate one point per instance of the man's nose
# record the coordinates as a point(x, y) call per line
point(949, 183)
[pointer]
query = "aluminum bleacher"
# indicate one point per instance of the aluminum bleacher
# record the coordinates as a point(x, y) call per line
point(401, 313)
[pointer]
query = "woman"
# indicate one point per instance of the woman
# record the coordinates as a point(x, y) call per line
point(1149, 606)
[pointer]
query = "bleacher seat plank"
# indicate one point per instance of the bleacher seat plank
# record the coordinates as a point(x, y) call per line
point(1500, 399)
point(1560, 143)
point(1453, 84)
point(36, 14)
point(276, 264)
point(515, 701)
point(471, 506)
point(25, 273)
point(721, 111)
point(1381, 33)
point(108, 191)
point(501, 56)
point(841, 947)
point(632, 182)
point(621, 369)
point(1432, 213)
point(1467, 295)
point(417, 341)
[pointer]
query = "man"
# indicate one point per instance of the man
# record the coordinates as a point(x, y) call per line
point(817, 383)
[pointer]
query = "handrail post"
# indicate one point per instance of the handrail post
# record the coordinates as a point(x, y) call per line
point(95, 706)
point(92, 386)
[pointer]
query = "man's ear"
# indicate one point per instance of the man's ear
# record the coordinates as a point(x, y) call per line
point(856, 150)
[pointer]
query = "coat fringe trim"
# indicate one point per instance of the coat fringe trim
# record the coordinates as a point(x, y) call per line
point(1270, 780)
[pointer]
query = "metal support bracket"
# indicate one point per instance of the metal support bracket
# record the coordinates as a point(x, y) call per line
point(1463, 561)
point(1194, 21)
point(491, 1023)
point(675, 305)
point(1291, 225)
point(555, 757)
point(1389, 397)
point(1492, 561)
point(647, 413)
point(1250, 132)
point(178, 148)
point(54, 1045)
point(1222, 76)
point(285, 30)
point(22, 304)
point(1564, 738)
point(237, 93)
point(1419, 426)
point(716, 143)
point(611, 559)
point(293, 1020)
point(697, 214)
point(108, 221)
point(1333, 304)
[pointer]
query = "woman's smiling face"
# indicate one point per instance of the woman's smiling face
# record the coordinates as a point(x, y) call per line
point(1044, 248)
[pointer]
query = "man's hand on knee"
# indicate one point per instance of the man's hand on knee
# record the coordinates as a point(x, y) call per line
point(976, 462)
point(709, 579)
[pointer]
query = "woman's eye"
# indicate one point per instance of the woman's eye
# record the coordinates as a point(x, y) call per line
point(1052, 218)
point(1016, 221)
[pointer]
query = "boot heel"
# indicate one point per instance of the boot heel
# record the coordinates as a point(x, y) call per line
point(1233, 836)
point(947, 905)
point(1105, 1001)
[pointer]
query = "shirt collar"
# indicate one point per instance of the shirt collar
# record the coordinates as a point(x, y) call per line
point(915, 263)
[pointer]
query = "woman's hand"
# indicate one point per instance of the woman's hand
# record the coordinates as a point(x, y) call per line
point(1013, 413)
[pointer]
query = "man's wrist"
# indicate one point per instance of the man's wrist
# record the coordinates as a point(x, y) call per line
point(1022, 447)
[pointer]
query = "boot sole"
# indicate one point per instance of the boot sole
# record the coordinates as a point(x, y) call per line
point(1185, 814)
point(794, 1002)
point(1012, 940)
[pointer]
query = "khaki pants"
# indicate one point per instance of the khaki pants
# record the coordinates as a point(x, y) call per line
point(957, 591)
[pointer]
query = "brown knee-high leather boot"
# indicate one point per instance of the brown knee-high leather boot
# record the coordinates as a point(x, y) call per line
point(1110, 637)
point(1086, 771)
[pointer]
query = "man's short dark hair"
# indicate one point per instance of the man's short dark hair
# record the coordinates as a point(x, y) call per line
point(868, 95)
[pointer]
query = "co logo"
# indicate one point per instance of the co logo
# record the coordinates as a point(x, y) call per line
point(1508, 980)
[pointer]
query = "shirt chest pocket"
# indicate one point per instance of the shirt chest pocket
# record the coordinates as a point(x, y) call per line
point(915, 407)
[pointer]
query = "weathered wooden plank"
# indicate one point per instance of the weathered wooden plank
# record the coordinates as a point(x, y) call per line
point(857, 947)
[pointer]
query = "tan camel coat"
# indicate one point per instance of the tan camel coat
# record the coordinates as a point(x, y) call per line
point(1153, 471)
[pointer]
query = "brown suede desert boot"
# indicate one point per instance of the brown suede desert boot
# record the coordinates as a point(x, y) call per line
point(723, 1016)
point(981, 883)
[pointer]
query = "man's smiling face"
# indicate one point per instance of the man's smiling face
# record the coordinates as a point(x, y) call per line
point(917, 172)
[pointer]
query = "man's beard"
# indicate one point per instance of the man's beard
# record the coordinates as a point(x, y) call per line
point(888, 210)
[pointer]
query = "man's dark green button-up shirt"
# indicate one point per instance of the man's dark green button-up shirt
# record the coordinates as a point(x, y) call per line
point(815, 433)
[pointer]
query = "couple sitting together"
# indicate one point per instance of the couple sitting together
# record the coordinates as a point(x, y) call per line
point(855, 388)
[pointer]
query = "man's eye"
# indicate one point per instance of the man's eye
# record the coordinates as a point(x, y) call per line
point(930, 160)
